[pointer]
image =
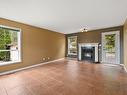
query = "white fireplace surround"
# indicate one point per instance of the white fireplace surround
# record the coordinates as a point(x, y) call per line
point(89, 45)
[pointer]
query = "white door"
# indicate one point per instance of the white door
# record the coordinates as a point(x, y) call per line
point(111, 47)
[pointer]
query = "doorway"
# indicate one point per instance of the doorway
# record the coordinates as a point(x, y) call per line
point(111, 47)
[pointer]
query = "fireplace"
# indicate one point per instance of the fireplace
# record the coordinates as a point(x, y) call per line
point(88, 51)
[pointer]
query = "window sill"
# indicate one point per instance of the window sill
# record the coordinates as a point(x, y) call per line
point(9, 63)
point(72, 54)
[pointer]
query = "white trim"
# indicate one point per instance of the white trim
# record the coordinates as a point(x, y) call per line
point(20, 45)
point(117, 42)
point(8, 27)
point(5, 50)
point(124, 67)
point(89, 44)
point(9, 62)
point(28, 67)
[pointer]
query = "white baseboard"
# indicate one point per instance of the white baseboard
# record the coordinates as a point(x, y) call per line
point(124, 67)
point(20, 69)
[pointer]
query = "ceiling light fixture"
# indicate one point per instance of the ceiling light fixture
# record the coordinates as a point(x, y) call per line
point(84, 30)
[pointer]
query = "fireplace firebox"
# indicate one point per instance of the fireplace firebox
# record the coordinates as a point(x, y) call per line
point(88, 53)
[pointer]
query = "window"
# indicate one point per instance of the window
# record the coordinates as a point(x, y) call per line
point(72, 45)
point(10, 45)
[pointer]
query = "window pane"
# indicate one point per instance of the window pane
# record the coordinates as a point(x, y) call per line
point(8, 39)
point(14, 55)
point(72, 45)
point(4, 56)
point(14, 40)
point(5, 39)
point(2, 42)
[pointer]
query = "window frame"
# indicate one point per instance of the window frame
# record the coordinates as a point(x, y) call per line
point(19, 45)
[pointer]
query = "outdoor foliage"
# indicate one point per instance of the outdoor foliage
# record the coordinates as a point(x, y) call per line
point(5, 40)
point(73, 45)
point(8, 38)
point(110, 42)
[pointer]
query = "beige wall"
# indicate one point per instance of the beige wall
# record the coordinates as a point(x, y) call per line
point(36, 44)
point(125, 43)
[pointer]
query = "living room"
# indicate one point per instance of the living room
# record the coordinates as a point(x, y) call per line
point(63, 47)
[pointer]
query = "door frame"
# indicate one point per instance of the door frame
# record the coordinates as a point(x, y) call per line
point(117, 47)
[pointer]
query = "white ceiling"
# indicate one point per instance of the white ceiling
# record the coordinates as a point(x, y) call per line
point(66, 16)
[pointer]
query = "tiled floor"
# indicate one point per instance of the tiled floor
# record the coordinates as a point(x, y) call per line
point(66, 77)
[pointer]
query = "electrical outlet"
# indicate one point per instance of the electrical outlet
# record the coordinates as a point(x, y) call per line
point(43, 59)
point(48, 58)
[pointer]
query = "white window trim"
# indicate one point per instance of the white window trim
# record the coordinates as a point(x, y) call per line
point(19, 46)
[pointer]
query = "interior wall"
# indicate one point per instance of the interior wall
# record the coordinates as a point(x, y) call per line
point(125, 44)
point(36, 44)
point(94, 36)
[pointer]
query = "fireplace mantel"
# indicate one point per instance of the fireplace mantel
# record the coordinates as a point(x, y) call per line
point(88, 45)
